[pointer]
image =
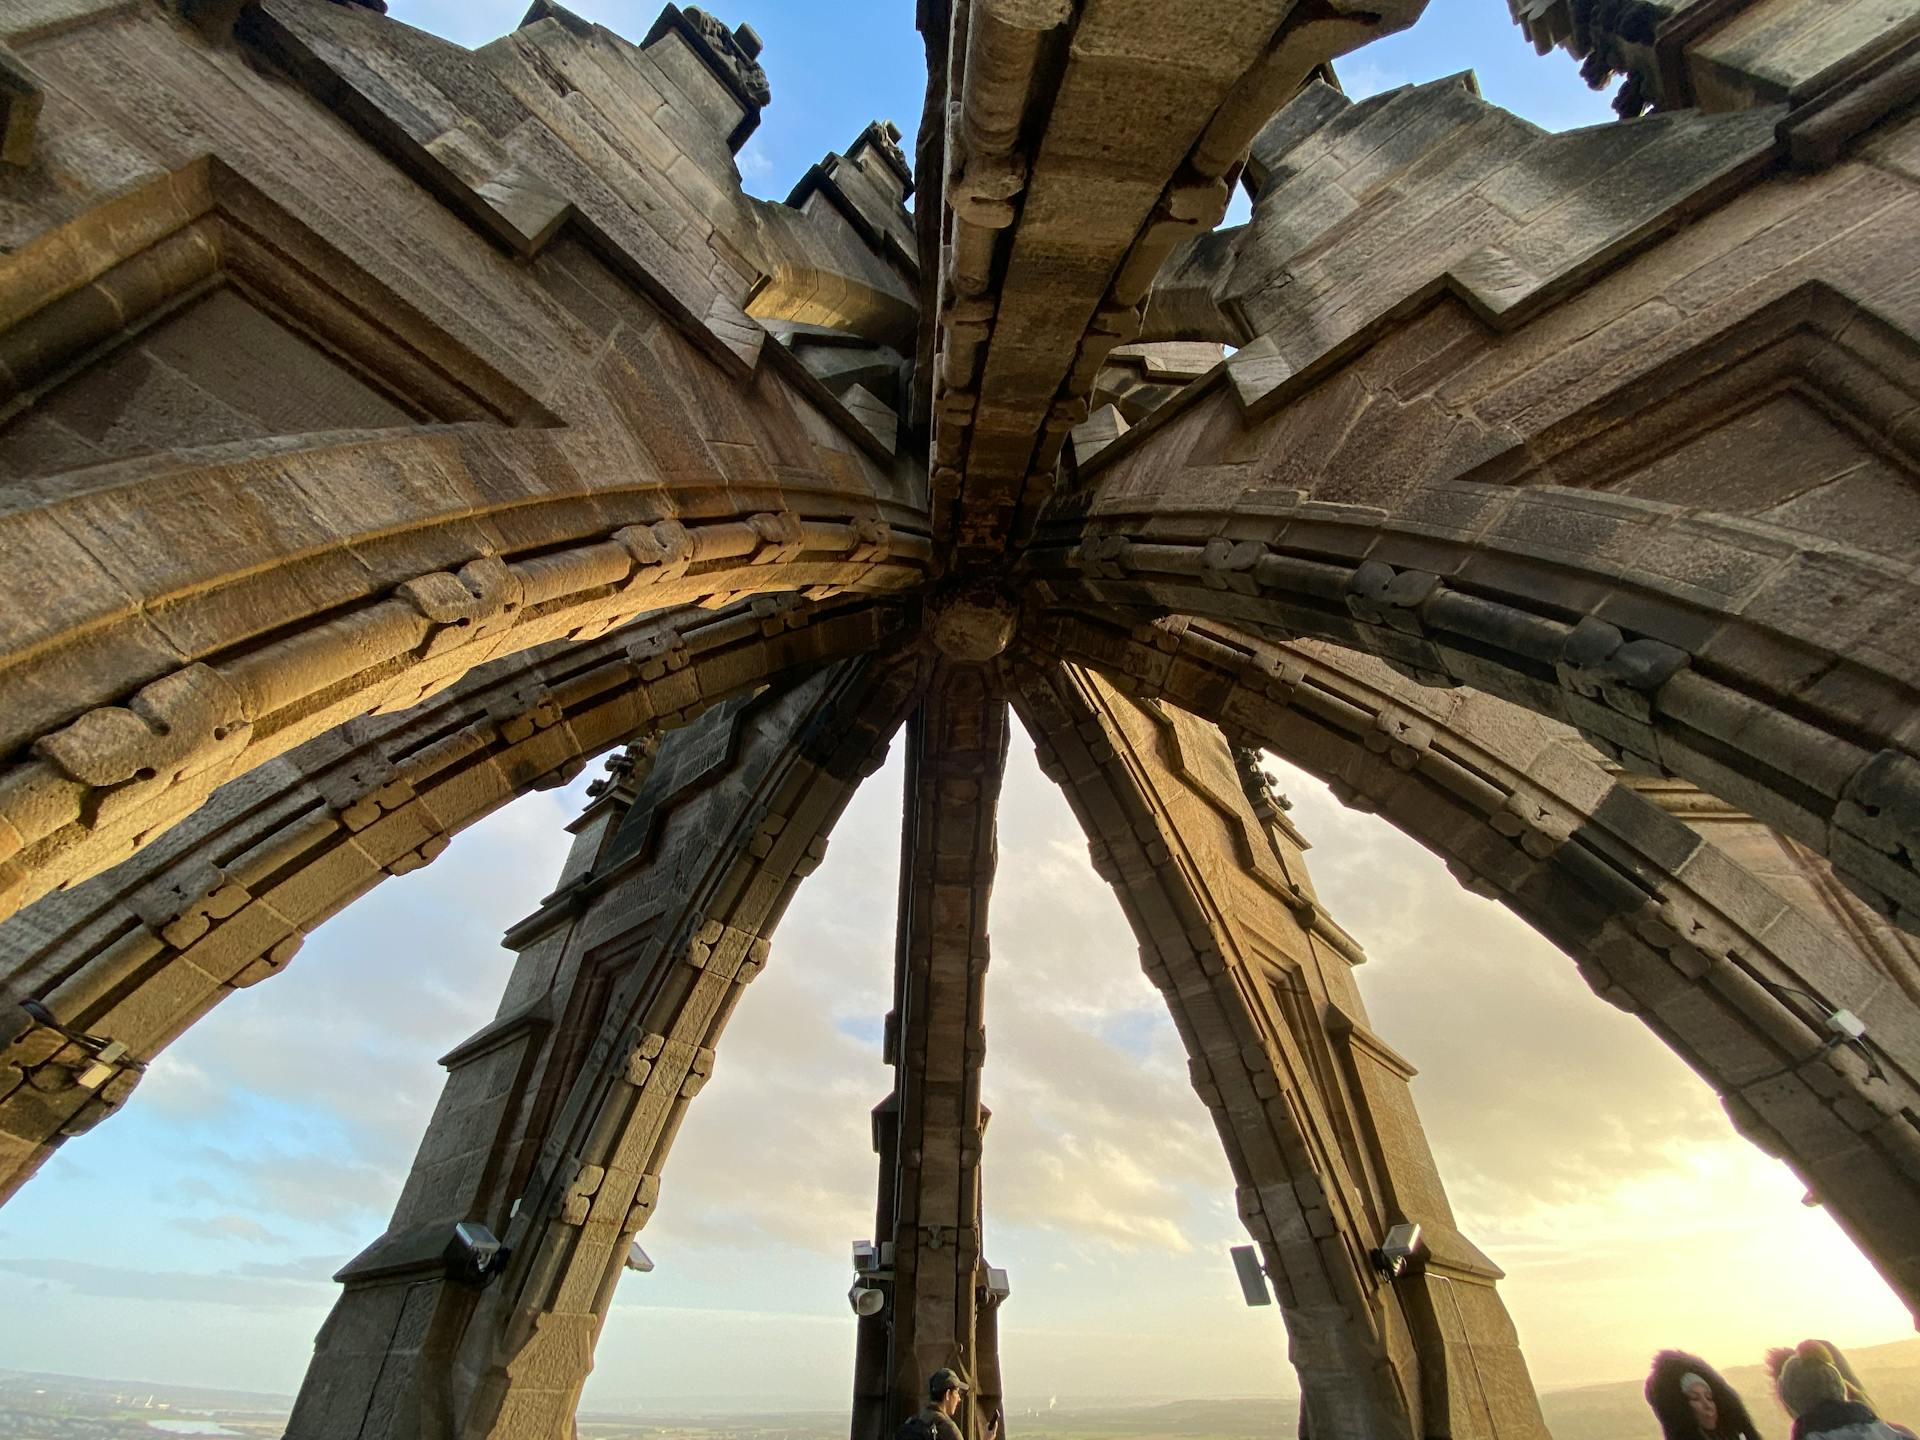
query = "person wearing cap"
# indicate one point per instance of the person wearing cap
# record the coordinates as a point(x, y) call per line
point(946, 1388)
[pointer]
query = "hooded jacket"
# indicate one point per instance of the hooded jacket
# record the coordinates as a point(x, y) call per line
point(1676, 1416)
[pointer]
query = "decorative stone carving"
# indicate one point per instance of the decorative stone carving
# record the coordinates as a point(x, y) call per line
point(736, 51)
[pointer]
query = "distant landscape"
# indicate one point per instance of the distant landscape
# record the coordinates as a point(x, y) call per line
point(64, 1407)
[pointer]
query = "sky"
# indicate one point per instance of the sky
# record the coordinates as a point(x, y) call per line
point(191, 1239)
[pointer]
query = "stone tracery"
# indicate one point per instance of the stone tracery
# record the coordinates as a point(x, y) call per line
point(1554, 485)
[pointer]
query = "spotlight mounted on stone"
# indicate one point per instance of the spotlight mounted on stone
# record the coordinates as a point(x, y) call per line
point(871, 1265)
point(995, 1287)
point(474, 1255)
point(1253, 1275)
point(1400, 1251)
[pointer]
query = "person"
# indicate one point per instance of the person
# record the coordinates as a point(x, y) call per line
point(1819, 1390)
point(1692, 1402)
point(946, 1388)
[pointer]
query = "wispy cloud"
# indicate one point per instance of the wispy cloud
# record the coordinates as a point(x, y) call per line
point(225, 1227)
point(1363, 77)
point(112, 1282)
point(754, 162)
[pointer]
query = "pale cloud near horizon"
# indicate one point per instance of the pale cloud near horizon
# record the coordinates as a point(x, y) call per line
point(1580, 1154)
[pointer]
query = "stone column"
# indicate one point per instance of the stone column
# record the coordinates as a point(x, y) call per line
point(928, 1133)
point(557, 1118)
point(1313, 1108)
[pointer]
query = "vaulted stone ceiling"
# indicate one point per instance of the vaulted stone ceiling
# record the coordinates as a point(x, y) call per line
point(391, 428)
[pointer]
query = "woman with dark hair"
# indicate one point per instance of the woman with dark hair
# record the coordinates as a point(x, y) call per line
point(1692, 1402)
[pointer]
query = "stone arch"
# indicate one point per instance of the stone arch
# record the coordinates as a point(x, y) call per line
point(1661, 923)
point(403, 437)
point(1538, 438)
point(1757, 696)
point(1769, 665)
point(1312, 1107)
point(121, 965)
point(557, 1117)
point(110, 761)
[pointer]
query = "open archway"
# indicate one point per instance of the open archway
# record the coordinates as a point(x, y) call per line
point(380, 426)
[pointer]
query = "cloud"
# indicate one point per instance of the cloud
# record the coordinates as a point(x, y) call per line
point(1097, 1139)
point(754, 162)
point(1577, 1151)
point(1475, 998)
point(225, 1227)
point(1361, 78)
point(307, 1268)
point(113, 1282)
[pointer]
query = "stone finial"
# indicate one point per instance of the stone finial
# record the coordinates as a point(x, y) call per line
point(625, 770)
point(884, 137)
point(1266, 799)
point(1609, 37)
point(714, 68)
point(736, 52)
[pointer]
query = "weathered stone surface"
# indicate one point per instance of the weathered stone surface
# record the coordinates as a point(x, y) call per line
point(555, 1123)
point(1675, 906)
point(303, 836)
point(387, 429)
point(928, 1132)
point(1210, 872)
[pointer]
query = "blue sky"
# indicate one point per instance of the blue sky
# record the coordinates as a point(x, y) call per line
point(191, 1239)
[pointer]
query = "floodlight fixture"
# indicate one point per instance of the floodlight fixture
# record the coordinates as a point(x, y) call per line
point(1402, 1249)
point(474, 1254)
point(1253, 1277)
point(638, 1260)
point(1847, 1025)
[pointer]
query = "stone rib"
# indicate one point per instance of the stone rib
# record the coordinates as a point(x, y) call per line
point(1662, 923)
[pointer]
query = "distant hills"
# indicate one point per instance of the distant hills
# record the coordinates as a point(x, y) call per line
point(1612, 1411)
point(1615, 1410)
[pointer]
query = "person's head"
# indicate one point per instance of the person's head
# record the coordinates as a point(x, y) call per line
point(945, 1390)
point(1809, 1377)
point(1811, 1351)
point(1699, 1395)
point(1691, 1400)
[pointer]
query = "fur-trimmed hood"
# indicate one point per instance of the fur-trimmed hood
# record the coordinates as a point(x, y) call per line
point(1670, 1406)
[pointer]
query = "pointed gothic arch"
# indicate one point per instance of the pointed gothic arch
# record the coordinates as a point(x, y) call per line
point(226, 899)
point(360, 389)
point(1723, 967)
